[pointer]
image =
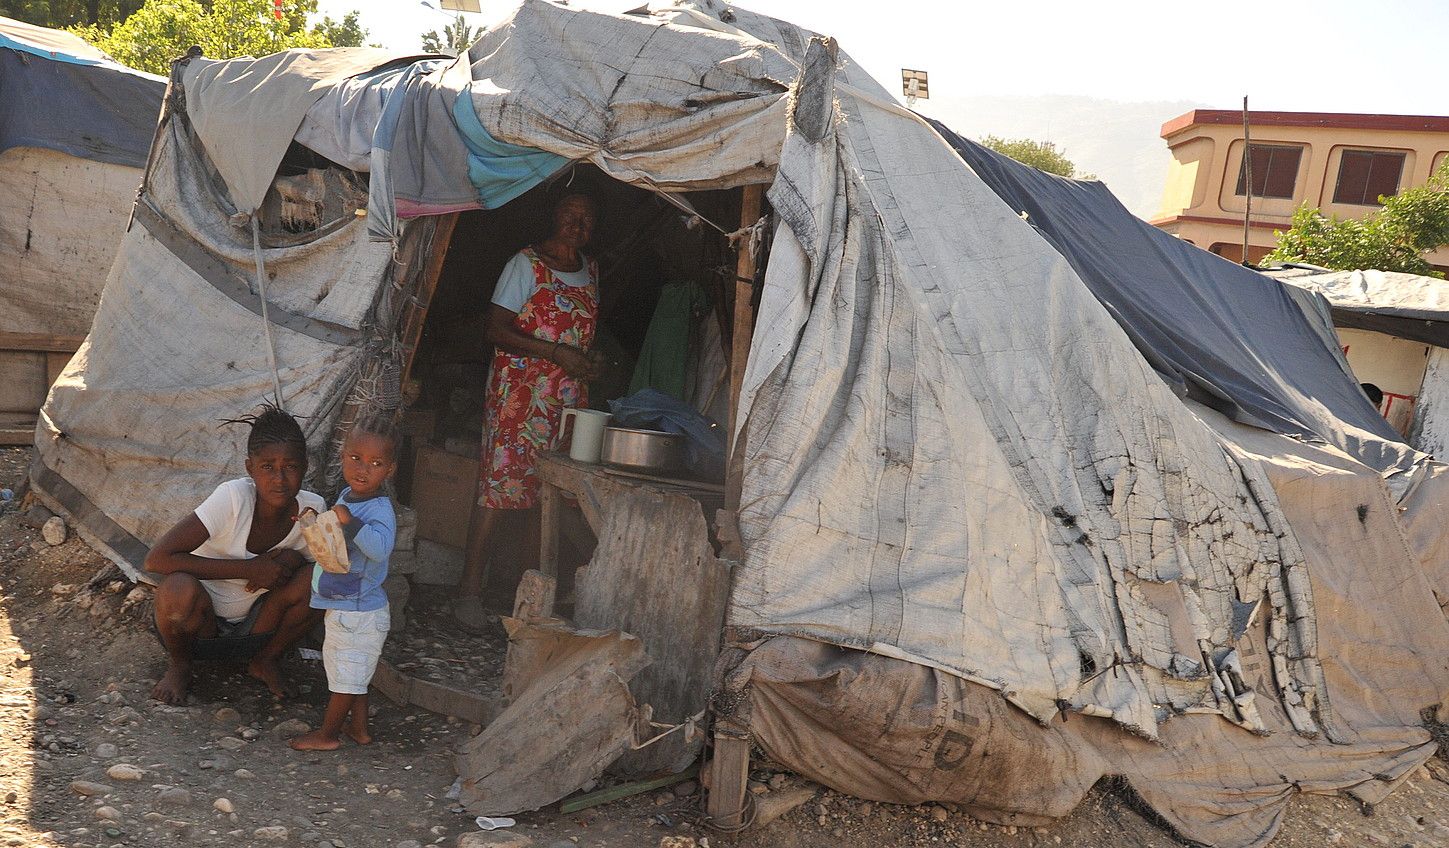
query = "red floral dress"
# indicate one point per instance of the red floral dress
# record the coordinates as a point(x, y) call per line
point(527, 395)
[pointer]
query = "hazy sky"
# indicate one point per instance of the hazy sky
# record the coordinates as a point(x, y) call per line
point(1383, 56)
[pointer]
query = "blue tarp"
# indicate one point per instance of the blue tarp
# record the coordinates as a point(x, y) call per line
point(1223, 334)
point(75, 103)
point(499, 170)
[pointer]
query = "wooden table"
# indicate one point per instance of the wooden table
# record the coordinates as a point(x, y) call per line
point(587, 482)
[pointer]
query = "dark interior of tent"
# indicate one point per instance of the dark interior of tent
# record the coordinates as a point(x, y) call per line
point(642, 244)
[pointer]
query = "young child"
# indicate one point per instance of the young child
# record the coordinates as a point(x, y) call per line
point(355, 604)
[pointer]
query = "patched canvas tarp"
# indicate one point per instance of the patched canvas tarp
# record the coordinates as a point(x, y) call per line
point(1405, 305)
point(971, 507)
point(74, 130)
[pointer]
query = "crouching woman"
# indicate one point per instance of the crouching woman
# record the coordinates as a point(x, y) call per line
point(231, 582)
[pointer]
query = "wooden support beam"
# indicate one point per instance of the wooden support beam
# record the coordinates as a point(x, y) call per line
point(604, 796)
point(40, 342)
point(415, 311)
point(534, 600)
point(751, 201)
point(729, 779)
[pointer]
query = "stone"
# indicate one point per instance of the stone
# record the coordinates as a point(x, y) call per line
point(777, 781)
point(230, 743)
point(411, 843)
point(272, 833)
point(939, 814)
point(62, 589)
point(677, 842)
point(106, 751)
point(250, 733)
point(153, 817)
point(227, 715)
point(53, 530)
point(289, 728)
point(88, 788)
point(108, 814)
point(175, 796)
point(492, 838)
point(125, 771)
point(244, 774)
point(772, 806)
point(758, 788)
point(685, 789)
point(37, 515)
point(223, 805)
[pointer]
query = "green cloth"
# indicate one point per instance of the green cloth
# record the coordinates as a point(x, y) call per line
point(665, 359)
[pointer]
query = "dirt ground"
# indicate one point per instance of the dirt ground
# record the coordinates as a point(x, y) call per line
point(77, 660)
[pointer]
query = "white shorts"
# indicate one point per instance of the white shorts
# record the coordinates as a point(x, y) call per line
point(352, 647)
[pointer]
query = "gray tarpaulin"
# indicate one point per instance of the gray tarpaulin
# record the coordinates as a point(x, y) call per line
point(1408, 306)
point(969, 501)
point(95, 109)
point(1225, 335)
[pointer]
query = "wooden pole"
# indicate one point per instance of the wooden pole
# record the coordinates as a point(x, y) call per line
point(751, 200)
point(729, 780)
point(1247, 181)
point(415, 311)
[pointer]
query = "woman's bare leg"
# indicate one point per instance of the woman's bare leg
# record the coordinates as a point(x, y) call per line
point(468, 609)
point(183, 615)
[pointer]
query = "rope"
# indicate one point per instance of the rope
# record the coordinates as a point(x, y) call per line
point(755, 233)
point(747, 817)
point(689, 726)
point(261, 266)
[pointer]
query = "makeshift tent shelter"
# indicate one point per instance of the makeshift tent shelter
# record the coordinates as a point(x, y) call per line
point(74, 130)
point(1393, 329)
point(989, 555)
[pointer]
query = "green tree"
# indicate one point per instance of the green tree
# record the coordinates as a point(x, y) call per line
point(1394, 238)
point(1042, 155)
point(456, 38)
point(59, 14)
point(161, 30)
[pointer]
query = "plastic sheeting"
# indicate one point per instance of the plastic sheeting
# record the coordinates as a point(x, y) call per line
point(1409, 306)
point(1221, 333)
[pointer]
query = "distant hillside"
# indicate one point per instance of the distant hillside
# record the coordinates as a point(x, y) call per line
point(1117, 141)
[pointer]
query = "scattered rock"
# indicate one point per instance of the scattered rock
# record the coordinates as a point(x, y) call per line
point(413, 843)
point(87, 788)
point(274, 833)
point(124, 771)
point(227, 715)
point(866, 809)
point(108, 814)
point(758, 788)
point(776, 804)
point(63, 589)
point(37, 515)
point(106, 751)
point(685, 789)
point(289, 728)
point(175, 796)
point(230, 743)
point(939, 814)
point(250, 733)
point(223, 805)
point(677, 842)
point(493, 839)
point(53, 530)
point(777, 781)
point(244, 774)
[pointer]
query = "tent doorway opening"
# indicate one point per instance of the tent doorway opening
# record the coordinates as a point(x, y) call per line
point(652, 255)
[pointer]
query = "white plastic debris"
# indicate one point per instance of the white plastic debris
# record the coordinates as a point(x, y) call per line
point(489, 823)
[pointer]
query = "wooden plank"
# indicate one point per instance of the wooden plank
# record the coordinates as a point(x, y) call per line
point(415, 312)
point(627, 790)
point(392, 683)
point(54, 364)
point(534, 600)
point(654, 574)
point(729, 780)
point(40, 342)
point(17, 436)
point(548, 501)
point(447, 700)
point(744, 318)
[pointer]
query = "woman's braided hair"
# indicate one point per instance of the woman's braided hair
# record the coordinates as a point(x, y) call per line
point(271, 425)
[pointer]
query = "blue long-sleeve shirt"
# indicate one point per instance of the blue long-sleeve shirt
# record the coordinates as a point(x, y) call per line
point(370, 536)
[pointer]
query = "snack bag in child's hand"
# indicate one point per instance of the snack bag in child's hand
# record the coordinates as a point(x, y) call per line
point(323, 534)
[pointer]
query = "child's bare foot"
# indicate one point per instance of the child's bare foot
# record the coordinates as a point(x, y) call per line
point(172, 686)
point(269, 671)
point(317, 740)
point(363, 738)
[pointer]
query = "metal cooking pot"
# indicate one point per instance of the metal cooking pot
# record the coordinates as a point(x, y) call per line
point(642, 450)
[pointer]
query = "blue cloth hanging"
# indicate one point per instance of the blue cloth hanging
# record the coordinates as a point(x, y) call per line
point(498, 170)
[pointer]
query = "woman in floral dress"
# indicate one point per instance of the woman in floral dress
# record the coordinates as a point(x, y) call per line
point(541, 324)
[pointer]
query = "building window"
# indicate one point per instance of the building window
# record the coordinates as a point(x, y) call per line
point(1366, 175)
point(1275, 170)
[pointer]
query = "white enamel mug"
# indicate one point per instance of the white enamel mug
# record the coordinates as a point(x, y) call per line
point(588, 435)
